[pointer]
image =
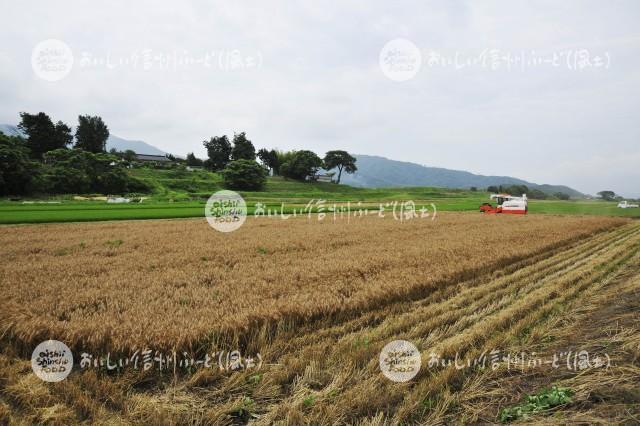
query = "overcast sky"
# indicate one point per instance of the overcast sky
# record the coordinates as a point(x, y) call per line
point(311, 79)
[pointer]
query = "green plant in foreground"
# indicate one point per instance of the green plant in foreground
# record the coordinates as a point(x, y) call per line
point(539, 402)
point(255, 379)
point(428, 404)
point(114, 243)
point(245, 409)
point(361, 342)
point(308, 401)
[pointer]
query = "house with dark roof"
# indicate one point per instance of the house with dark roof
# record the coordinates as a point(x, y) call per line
point(149, 157)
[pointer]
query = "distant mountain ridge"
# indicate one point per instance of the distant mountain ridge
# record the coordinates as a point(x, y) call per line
point(373, 171)
point(10, 130)
point(114, 141)
point(139, 147)
point(380, 172)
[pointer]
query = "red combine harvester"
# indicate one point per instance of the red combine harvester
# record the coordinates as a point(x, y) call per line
point(506, 203)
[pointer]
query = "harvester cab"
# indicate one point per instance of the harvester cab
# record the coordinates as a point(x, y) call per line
point(506, 203)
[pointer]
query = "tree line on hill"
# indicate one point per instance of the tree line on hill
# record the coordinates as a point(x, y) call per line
point(50, 159)
point(532, 193)
point(536, 194)
point(609, 195)
point(45, 162)
point(236, 161)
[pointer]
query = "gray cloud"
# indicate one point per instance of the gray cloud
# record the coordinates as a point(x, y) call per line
point(319, 85)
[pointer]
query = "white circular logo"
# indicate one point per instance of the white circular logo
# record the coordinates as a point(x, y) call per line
point(400, 59)
point(52, 361)
point(226, 211)
point(52, 60)
point(400, 361)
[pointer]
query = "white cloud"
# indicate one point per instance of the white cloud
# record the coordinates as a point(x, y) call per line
point(319, 86)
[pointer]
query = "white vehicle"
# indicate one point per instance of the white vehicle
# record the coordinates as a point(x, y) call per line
point(118, 200)
point(625, 205)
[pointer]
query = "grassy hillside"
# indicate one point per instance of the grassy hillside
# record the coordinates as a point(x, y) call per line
point(179, 194)
point(175, 185)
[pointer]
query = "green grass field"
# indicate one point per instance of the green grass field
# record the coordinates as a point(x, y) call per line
point(179, 194)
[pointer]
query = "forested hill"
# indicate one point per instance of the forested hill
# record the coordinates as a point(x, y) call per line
point(380, 172)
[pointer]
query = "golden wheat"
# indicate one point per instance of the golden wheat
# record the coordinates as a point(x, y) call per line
point(461, 284)
point(170, 284)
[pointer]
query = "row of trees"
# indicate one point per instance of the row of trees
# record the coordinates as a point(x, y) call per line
point(535, 194)
point(609, 196)
point(43, 135)
point(43, 163)
point(236, 161)
point(221, 151)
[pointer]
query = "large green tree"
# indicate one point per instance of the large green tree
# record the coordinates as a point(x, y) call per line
point(91, 134)
point(76, 171)
point(218, 151)
point(340, 160)
point(243, 149)
point(129, 156)
point(535, 194)
point(301, 165)
point(192, 160)
point(16, 168)
point(270, 159)
point(244, 174)
point(42, 135)
point(607, 195)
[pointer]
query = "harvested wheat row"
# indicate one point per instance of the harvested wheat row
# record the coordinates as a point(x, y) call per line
point(477, 326)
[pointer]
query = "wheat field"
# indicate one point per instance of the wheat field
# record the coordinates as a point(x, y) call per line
point(106, 284)
point(318, 300)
